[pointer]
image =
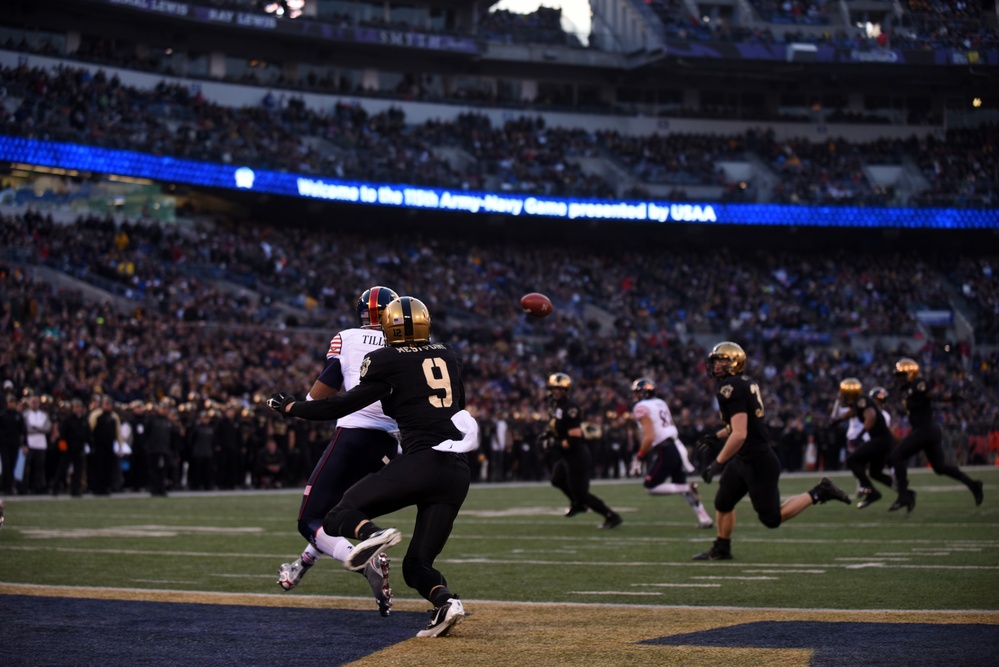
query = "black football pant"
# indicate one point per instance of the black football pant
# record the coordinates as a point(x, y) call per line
point(872, 455)
point(571, 475)
point(351, 454)
point(436, 483)
point(929, 440)
point(759, 478)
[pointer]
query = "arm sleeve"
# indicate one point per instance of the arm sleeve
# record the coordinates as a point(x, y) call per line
point(338, 405)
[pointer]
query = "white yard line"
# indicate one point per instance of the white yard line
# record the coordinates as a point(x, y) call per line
point(500, 561)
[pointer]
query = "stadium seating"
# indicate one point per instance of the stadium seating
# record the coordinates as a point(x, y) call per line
point(75, 105)
point(797, 312)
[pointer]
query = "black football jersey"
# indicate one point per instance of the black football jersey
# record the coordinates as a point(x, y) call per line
point(739, 393)
point(880, 428)
point(427, 391)
point(916, 398)
point(564, 415)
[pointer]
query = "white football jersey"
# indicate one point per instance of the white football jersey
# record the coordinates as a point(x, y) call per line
point(663, 427)
point(854, 428)
point(350, 346)
point(658, 412)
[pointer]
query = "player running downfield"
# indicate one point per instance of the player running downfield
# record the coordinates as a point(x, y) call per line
point(746, 461)
point(661, 453)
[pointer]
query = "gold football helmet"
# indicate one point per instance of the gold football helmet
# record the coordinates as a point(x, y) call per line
point(732, 354)
point(559, 381)
point(907, 368)
point(849, 390)
point(405, 320)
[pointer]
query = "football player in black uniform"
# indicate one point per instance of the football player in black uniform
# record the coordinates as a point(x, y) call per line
point(746, 461)
point(419, 384)
point(571, 471)
point(925, 437)
point(363, 442)
point(870, 453)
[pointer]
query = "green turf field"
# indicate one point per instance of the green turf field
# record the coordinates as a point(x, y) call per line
point(512, 544)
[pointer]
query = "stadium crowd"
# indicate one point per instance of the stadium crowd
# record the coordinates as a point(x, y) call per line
point(207, 318)
point(621, 312)
point(523, 155)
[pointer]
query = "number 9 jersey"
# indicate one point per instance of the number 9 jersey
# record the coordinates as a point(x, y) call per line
point(739, 393)
point(427, 391)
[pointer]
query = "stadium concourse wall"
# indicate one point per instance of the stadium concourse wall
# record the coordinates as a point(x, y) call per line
point(241, 95)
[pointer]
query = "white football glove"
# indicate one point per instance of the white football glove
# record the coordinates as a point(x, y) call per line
point(637, 467)
point(469, 429)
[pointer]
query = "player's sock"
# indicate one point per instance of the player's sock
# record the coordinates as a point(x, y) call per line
point(667, 488)
point(335, 547)
point(310, 556)
point(367, 530)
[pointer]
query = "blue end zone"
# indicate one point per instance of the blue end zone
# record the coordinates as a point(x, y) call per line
point(867, 644)
point(115, 633)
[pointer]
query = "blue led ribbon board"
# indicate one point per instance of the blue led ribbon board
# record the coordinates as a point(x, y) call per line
point(234, 177)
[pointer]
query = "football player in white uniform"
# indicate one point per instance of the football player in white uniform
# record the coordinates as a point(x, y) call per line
point(363, 443)
point(661, 452)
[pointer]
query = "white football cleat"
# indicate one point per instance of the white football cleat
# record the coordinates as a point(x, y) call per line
point(366, 550)
point(443, 618)
point(289, 574)
point(377, 573)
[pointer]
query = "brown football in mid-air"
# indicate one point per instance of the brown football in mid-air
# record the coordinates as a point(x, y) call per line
point(536, 304)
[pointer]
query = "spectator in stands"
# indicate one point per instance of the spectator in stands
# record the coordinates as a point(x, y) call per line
point(13, 441)
point(160, 449)
point(271, 469)
point(38, 425)
point(74, 437)
point(105, 429)
point(201, 446)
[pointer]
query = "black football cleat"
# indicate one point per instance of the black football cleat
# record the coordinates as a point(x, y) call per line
point(976, 488)
point(612, 521)
point(574, 510)
point(825, 491)
point(714, 553)
point(872, 496)
point(908, 501)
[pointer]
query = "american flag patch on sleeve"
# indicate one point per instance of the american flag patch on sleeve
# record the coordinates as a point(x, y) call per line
point(335, 346)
